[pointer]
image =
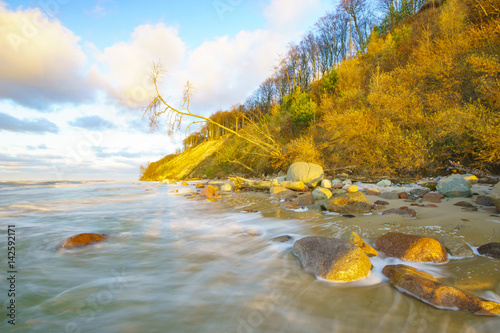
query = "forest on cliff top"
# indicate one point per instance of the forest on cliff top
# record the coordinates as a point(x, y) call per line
point(397, 95)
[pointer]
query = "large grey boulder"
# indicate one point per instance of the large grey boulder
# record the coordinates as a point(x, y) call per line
point(454, 186)
point(332, 259)
point(495, 196)
point(309, 173)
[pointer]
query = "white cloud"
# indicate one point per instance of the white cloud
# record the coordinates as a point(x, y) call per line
point(42, 62)
point(125, 66)
point(288, 14)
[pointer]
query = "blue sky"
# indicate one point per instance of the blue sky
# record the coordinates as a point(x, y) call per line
point(74, 75)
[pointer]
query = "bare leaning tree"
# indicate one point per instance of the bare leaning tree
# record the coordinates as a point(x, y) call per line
point(160, 110)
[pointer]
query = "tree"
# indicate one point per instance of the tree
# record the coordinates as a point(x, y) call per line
point(158, 107)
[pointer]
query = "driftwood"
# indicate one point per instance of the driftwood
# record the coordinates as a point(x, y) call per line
point(240, 182)
point(472, 171)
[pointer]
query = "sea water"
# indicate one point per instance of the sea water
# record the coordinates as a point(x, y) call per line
point(174, 263)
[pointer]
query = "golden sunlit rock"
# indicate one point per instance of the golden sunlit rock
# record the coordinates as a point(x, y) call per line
point(83, 239)
point(425, 287)
point(208, 191)
point(356, 240)
point(411, 247)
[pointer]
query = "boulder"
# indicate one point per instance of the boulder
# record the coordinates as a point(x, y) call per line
point(406, 212)
point(208, 191)
point(227, 187)
point(347, 182)
point(356, 240)
point(411, 247)
point(321, 193)
point(403, 195)
point(332, 259)
point(454, 186)
point(279, 192)
point(495, 196)
point(184, 183)
point(431, 185)
point(305, 199)
point(484, 200)
point(464, 204)
point(325, 183)
point(490, 250)
point(308, 173)
point(349, 203)
point(425, 287)
point(456, 247)
point(83, 239)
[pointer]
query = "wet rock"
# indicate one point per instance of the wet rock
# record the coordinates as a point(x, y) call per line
point(325, 183)
point(430, 206)
point(495, 196)
point(208, 191)
point(403, 195)
point(349, 203)
point(411, 247)
point(454, 186)
point(419, 192)
point(289, 205)
point(338, 191)
point(332, 259)
point(464, 204)
point(305, 199)
point(426, 288)
point(200, 186)
point(381, 202)
point(390, 195)
point(184, 183)
point(308, 173)
point(356, 240)
point(321, 193)
point(490, 250)
point(406, 212)
point(484, 200)
point(283, 239)
point(384, 183)
point(82, 239)
point(432, 197)
point(456, 247)
point(377, 207)
point(280, 192)
point(372, 192)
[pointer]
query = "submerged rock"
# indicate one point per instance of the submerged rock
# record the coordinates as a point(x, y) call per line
point(490, 250)
point(454, 186)
point(426, 288)
point(349, 203)
point(456, 247)
point(283, 239)
point(308, 173)
point(356, 240)
point(411, 247)
point(83, 239)
point(332, 259)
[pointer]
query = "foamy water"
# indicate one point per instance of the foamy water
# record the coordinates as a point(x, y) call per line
point(175, 264)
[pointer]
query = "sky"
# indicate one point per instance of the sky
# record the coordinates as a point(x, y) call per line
point(74, 75)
